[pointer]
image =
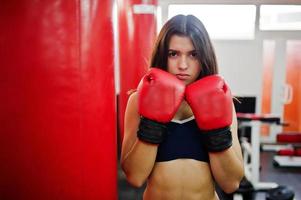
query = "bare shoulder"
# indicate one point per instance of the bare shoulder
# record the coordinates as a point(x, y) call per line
point(132, 116)
point(131, 112)
point(132, 100)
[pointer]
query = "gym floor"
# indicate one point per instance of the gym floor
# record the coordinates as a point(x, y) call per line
point(290, 177)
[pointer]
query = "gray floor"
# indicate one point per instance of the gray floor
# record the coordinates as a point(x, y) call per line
point(290, 177)
point(283, 176)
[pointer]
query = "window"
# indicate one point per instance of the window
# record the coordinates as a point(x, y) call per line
point(221, 21)
point(280, 17)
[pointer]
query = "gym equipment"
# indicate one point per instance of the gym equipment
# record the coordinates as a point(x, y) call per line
point(291, 137)
point(286, 152)
point(246, 190)
point(287, 161)
point(289, 152)
point(288, 157)
point(280, 193)
point(251, 149)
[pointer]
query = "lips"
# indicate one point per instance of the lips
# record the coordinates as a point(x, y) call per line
point(182, 76)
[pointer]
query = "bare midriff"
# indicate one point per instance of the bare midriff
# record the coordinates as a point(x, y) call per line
point(180, 179)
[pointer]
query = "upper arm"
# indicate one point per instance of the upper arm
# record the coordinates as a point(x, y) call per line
point(236, 144)
point(131, 123)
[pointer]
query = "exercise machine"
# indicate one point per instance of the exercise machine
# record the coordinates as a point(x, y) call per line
point(291, 155)
point(251, 149)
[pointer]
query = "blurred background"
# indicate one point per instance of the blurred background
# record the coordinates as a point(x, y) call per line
point(66, 68)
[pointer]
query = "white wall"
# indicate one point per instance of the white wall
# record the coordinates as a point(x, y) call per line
point(240, 64)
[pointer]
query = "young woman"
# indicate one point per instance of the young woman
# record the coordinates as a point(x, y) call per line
point(180, 125)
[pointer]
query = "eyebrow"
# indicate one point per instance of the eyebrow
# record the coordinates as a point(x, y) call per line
point(192, 51)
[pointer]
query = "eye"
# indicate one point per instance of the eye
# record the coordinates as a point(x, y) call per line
point(172, 54)
point(193, 54)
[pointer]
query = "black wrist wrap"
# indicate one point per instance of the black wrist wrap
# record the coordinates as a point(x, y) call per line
point(218, 140)
point(151, 131)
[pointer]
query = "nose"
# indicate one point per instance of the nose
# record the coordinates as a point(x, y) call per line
point(183, 64)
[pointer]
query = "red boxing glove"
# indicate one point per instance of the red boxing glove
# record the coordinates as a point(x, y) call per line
point(211, 102)
point(159, 97)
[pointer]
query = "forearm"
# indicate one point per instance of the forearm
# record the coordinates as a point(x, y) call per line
point(138, 162)
point(227, 169)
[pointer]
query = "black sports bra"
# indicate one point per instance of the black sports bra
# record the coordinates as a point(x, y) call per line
point(183, 140)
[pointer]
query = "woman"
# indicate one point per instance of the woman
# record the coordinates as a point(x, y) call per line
point(182, 142)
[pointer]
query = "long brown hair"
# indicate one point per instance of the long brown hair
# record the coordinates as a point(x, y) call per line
point(193, 28)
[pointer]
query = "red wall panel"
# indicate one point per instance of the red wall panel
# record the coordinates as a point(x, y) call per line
point(267, 84)
point(57, 138)
point(293, 77)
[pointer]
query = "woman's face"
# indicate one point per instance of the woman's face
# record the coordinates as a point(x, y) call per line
point(182, 59)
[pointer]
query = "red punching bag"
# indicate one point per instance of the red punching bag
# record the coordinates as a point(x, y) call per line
point(57, 118)
point(137, 29)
